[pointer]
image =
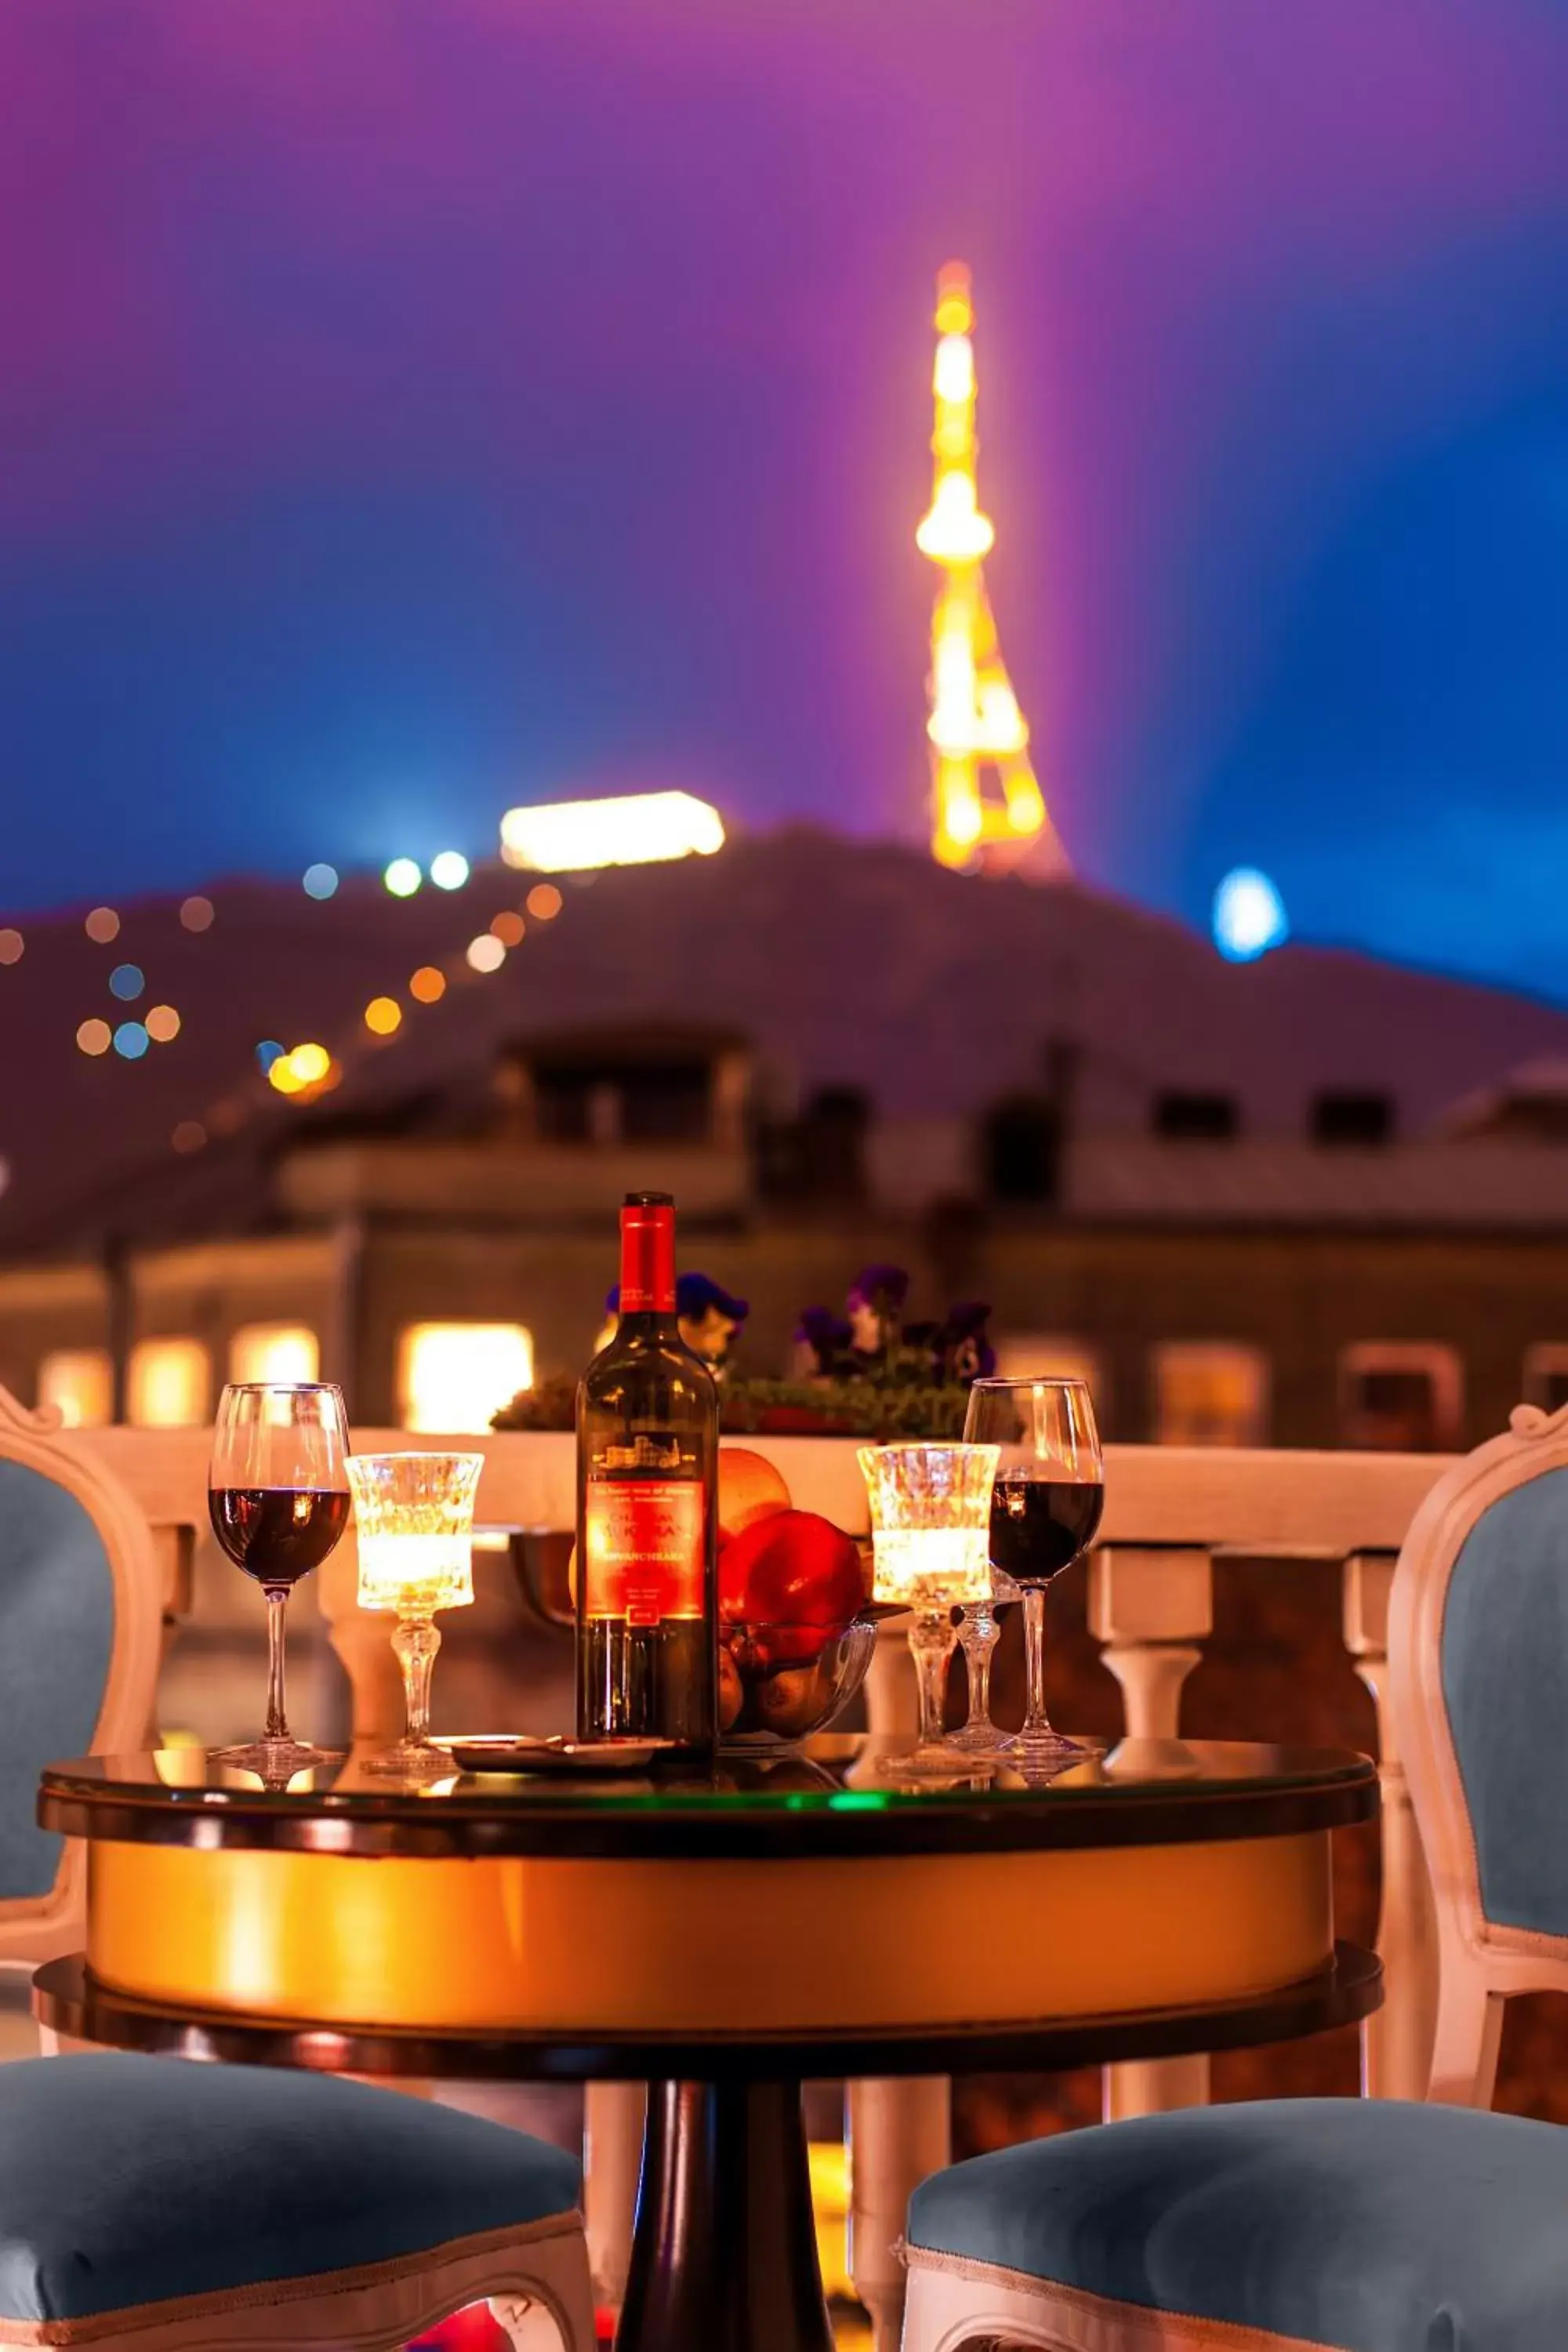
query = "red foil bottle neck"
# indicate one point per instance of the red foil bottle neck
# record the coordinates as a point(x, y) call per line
point(647, 1259)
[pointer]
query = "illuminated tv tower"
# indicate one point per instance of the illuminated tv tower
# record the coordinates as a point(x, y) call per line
point(987, 809)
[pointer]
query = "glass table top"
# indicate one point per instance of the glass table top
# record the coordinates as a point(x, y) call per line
point(832, 1794)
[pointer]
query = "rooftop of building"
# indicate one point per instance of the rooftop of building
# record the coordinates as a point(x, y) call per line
point(836, 964)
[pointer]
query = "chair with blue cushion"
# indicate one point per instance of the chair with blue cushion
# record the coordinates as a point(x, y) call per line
point(1341, 2225)
point(170, 2206)
point(163, 2206)
point(80, 1642)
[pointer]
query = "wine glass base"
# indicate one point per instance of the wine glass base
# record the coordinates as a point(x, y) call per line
point(411, 1760)
point(1048, 1750)
point(936, 1760)
point(277, 1760)
point(979, 1740)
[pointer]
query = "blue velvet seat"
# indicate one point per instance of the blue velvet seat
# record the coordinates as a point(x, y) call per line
point(1366, 2225)
point(127, 2182)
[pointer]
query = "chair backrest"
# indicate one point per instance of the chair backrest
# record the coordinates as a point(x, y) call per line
point(1478, 1698)
point(80, 1641)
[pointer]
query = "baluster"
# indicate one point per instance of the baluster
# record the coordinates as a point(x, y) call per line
point(175, 1549)
point(1152, 1610)
point(899, 2131)
point(1397, 2042)
point(892, 1704)
point(360, 1638)
point(612, 2121)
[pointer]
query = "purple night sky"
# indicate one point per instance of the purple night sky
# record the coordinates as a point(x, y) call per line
point(409, 407)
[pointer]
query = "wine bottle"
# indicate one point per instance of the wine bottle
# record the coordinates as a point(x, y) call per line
point(647, 1458)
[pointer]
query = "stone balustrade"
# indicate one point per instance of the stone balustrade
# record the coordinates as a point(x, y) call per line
point(1169, 1513)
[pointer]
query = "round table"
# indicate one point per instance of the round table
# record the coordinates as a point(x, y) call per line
point(723, 1938)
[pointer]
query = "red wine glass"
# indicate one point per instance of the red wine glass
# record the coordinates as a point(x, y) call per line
point(1046, 1509)
point(277, 1495)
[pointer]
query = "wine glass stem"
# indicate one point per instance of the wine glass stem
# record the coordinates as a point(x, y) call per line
point(277, 1713)
point(1035, 1718)
point(978, 1634)
point(931, 1639)
point(417, 1641)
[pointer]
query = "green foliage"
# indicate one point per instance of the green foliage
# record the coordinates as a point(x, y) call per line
point(857, 1408)
point(551, 1403)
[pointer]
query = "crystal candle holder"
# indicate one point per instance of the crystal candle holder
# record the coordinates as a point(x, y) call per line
point(931, 1527)
point(415, 1516)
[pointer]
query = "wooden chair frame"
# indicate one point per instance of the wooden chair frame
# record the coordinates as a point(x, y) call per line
point(34, 1928)
point(1480, 1963)
point(535, 2279)
point(960, 2306)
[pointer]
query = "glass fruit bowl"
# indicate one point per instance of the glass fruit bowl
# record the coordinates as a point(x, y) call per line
point(778, 1684)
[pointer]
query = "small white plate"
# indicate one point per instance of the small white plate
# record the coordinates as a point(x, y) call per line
point(503, 1751)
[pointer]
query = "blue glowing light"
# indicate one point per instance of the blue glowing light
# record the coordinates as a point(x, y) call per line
point(320, 881)
point(1248, 915)
point(131, 1040)
point(268, 1052)
point(126, 981)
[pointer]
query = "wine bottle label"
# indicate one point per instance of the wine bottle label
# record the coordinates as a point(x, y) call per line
point(645, 1548)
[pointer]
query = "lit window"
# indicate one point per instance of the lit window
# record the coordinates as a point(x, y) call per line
point(1401, 1397)
point(1209, 1392)
point(1546, 1375)
point(274, 1352)
point(169, 1383)
point(80, 1381)
point(1021, 1355)
point(456, 1376)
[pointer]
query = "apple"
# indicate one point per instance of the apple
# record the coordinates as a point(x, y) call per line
point(793, 1571)
point(750, 1489)
point(791, 1701)
point(731, 1692)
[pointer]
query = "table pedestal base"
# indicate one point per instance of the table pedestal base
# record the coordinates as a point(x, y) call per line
point(724, 2252)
